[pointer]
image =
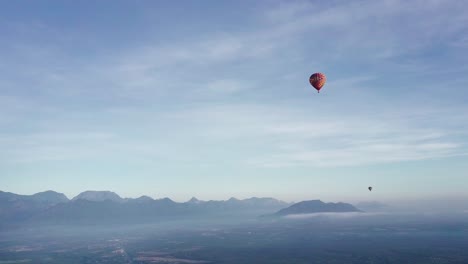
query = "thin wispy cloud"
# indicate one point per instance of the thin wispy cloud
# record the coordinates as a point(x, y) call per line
point(153, 66)
point(157, 94)
point(335, 216)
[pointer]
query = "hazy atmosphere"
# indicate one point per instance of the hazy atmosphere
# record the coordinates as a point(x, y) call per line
point(212, 100)
point(141, 132)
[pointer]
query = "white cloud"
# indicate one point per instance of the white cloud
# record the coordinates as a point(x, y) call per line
point(345, 215)
point(292, 137)
point(282, 135)
point(362, 31)
point(370, 30)
point(226, 86)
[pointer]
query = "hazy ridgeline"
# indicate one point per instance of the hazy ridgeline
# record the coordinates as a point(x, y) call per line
point(101, 227)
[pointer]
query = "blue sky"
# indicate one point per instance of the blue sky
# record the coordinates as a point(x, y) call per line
point(211, 98)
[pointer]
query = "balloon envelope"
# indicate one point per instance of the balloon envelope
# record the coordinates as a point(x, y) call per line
point(317, 80)
point(370, 188)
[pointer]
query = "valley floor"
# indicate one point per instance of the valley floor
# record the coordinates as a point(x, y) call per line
point(371, 239)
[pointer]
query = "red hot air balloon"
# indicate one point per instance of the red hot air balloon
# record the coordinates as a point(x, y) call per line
point(317, 80)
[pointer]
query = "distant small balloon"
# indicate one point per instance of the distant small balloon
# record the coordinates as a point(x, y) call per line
point(317, 80)
point(370, 188)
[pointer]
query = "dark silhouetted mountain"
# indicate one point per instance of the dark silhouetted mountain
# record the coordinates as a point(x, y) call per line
point(264, 202)
point(15, 207)
point(254, 205)
point(47, 197)
point(98, 196)
point(141, 199)
point(105, 207)
point(316, 206)
point(145, 210)
point(106, 212)
point(50, 197)
point(165, 200)
point(233, 200)
point(194, 200)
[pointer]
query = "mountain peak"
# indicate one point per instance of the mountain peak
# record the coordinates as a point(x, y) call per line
point(144, 198)
point(317, 206)
point(50, 197)
point(233, 199)
point(98, 196)
point(194, 200)
point(166, 200)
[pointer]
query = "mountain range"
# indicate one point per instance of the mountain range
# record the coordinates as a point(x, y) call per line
point(105, 207)
point(15, 207)
point(317, 206)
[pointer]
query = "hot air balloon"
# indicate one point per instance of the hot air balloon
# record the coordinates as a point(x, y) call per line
point(370, 188)
point(317, 80)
